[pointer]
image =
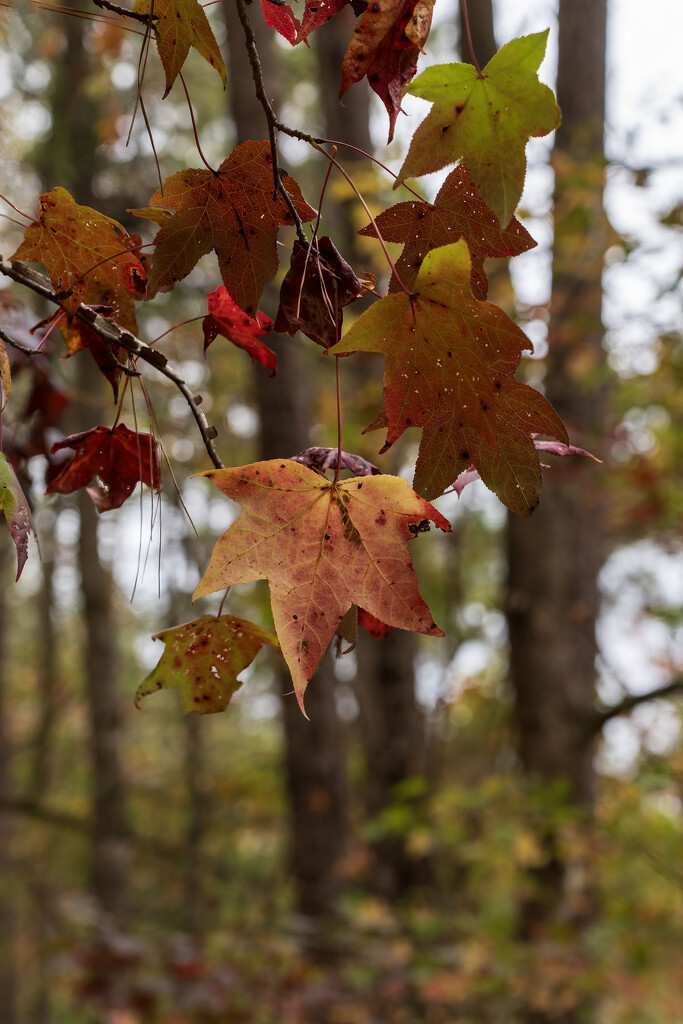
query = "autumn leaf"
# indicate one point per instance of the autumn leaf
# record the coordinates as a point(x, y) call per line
point(457, 212)
point(79, 337)
point(16, 511)
point(230, 211)
point(450, 364)
point(486, 120)
point(323, 547)
point(80, 248)
point(178, 25)
point(225, 317)
point(318, 284)
point(5, 376)
point(375, 627)
point(278, 15)
point(318, 12)
point(119, 458)
point(202, 660)
point(385, 47)
point(326, 458)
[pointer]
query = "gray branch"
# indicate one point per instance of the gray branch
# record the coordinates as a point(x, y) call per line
point(115, 335)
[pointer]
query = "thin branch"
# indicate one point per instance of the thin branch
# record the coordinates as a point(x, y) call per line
point(271, 118)
point(115, 335)
point(627, 705)
point(106, 5)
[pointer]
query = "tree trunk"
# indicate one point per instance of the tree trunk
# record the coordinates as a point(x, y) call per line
point(314, 750)
point(9, 972)
point(69, 156)
point(555, 557)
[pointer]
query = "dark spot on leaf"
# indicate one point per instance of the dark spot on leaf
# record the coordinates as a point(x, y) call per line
point(464, 454)
point(295, 616)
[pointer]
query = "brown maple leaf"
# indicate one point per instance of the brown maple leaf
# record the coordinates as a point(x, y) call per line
point(178, 25)
point(385, 47)
point(450, 364)
point(202, 660)
point(119, 458)
point(230, 211)
point(81, 249)
point(323, 547)
point(317, 285)
point(457, 212)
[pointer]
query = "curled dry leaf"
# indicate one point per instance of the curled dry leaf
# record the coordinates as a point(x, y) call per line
point(202, 660)
point(81, 248)
point(226, 318)
point(457, 212)
point(178, 25)
point(326, 458)
point(230, 211)
point(317, 285)
point(385, 47)
point(450, 364)
point(16, 511)
point(485, 119)
point(322, 547)
point(118, 458)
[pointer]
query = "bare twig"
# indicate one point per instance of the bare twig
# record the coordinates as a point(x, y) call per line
point(627, 705)
point(106, 5)
point(123, 367)
point(274, 125)
point(115, 335)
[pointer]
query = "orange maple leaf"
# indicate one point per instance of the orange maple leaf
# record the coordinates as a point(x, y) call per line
point(322, 547)
point(79, 248)
point(178, 25)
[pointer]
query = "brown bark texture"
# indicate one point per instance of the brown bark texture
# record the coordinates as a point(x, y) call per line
point(314, 750)
point(554, 558)
point(69, 155)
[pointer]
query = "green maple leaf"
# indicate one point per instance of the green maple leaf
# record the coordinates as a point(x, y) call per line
point(486, 120)
point(202, 660)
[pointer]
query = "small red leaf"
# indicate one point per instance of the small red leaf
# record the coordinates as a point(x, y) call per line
point(226, 318)
point(119, 458)
point(278, 15)
point(372, 625)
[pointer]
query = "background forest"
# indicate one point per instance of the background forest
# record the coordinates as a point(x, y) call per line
point(484, 829)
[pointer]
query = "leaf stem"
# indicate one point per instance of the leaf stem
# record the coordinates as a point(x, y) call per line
point(339, 423)
point(194, 127)
point(466, 19)
point(369, 156)
point(367, 210)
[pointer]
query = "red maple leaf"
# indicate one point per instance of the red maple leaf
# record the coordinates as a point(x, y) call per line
point(119, 458)
point(385, 47)
point(226, 318)
point(231, 211)
point(457, 212)
point(278, 15)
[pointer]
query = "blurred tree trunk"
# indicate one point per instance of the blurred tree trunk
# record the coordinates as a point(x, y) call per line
point(48, 677)
point(69, 155)
point(554, 558)
point(9, 970)
point(392, 725)
point(481, 31)
point(314, 750)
